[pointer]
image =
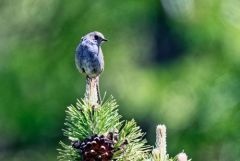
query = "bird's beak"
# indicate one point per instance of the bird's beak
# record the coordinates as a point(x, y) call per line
point(104, 39)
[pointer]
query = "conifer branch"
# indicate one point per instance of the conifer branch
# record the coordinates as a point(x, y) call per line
point(83, 122)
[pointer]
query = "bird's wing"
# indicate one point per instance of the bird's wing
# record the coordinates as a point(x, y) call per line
point(79, 58)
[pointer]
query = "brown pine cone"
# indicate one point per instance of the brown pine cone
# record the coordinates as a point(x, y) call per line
point(98, 148)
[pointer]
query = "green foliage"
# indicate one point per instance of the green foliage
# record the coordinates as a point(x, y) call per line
point(84, 120)
point(157, 157)
point(67, 153)
point(134, 150)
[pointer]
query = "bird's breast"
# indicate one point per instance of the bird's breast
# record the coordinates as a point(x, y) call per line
point(90, 59)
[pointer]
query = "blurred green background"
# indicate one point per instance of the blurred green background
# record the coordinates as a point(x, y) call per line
point(175, 62)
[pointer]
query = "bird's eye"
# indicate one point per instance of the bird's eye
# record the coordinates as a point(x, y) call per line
point(96, 37)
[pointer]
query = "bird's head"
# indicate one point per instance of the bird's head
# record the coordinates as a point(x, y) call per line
point(96, 37)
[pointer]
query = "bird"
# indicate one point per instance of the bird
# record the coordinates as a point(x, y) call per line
point(90, 62)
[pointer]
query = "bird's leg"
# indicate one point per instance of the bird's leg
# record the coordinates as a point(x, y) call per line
point(98, 91)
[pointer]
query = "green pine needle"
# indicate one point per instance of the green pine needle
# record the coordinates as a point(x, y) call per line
point(136, 149)
point(82, 121)
point(67, 153)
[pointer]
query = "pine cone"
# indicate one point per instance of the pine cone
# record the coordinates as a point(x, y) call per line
point(97, 148)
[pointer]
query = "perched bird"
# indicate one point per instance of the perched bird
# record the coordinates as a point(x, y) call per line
point(89, 61)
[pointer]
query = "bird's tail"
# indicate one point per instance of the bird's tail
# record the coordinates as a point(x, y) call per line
point(92, 95)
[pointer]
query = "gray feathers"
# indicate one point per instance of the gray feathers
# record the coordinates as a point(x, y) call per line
point(89, 57)
point(89, 61)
